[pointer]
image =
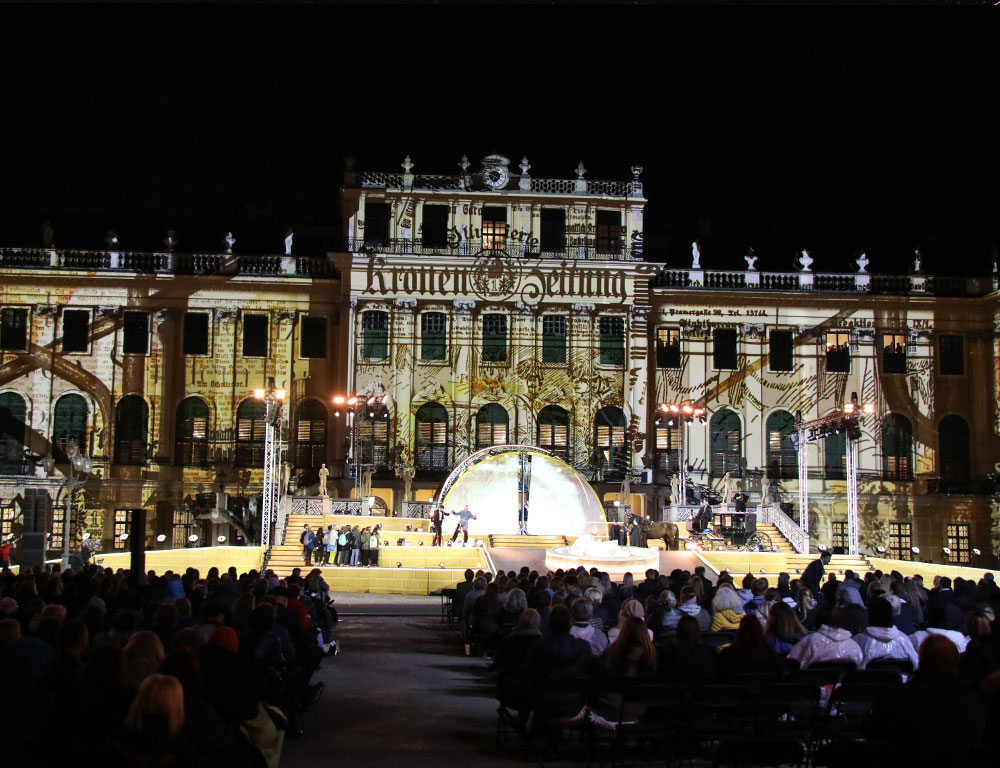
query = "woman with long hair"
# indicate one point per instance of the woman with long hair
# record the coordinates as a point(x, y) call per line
point(749, 653)
point(632, 654)
point(143, 656)
point(783, 628)
point(631, 609)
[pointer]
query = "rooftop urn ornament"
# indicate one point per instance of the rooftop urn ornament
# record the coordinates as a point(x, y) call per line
point(407, 164)
point(636, 172)
point(862, 261)
point(463, 163)
point(524, 183)
point(170, 240)
point(917, 262)
point(230, 241)
point(580, 170)
point(751, 259)
point(695, 255)
point(111, 240)
point(289, 236)
point(525, 166)
point(806, 261)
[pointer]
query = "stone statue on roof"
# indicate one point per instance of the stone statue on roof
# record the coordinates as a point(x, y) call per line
point(751, 259)
point(289, 236)
point(917, 262)
point(170, 240)
point(695, 255)
point(806, 261)
point(862, 261)
point(230, 241)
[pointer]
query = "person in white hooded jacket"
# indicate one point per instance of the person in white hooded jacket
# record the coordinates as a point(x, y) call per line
point(830, 642)
point(881, 640)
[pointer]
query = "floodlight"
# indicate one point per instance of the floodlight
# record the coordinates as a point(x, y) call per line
point(259, 394)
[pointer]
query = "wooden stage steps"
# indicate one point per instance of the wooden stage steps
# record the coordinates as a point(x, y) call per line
point(527, 542)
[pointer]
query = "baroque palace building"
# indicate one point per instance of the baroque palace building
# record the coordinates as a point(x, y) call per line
point(480, 308)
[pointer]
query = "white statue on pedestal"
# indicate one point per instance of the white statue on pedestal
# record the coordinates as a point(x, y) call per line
point(366, 482)
point(806, 261)
point(406, 473)
point(765, 489)
point(230, 241)
point(917, 262)
point(695, 255)
point(751, 259)
point(862, 261)
point(727, 488)
point(675, 491)
point(289, 236)
point(626, 488)
point(324, 473)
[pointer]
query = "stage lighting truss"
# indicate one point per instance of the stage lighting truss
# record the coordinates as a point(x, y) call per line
point(674, 414)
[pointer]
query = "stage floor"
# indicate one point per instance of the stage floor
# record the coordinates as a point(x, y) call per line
point(512, 558)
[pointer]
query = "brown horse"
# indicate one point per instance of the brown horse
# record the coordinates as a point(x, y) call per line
point(669, 532)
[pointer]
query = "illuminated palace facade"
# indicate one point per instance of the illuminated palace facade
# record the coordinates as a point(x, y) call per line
point(485, 307)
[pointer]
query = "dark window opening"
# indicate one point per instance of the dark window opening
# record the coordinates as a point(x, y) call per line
point(492, 425)
point(609, 439)
point(952, 355)
point(782, 458)
point(313, 343)
point(780, 355)
point(612, 340)
point(433, 330)
point(14, 329)
point(553, 235)
point(375, 334)
point(70, 425)
point(195, 333)
point(838, 353)
point(377, 216)
point(953, 440)
point(553, 339)
point(76, 330)
point(131, 430)
point(726, 444)
point(724, 349)
point(609, 232)
point(434, 232)
point(13, 415)
point(310, 435)
point(835, 456)
point(494, 338)
point(553, 430)
point(668, 347)
point(191, 442)
point(251, 428)
point(135, 333)
point(254, 335)
point(431, 444)
point(897, 447)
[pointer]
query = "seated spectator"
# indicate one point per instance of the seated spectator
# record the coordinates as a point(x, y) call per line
point(143, 656)
point(727, 609)
point(689, 606)
point(980, 657)
point(561, 656)
point(511, 610)
point(783, 629)
point(807, 608)
point(905, 615)
point(632, 654)
point(583, 612)
point(513, 664)
point(849, 590)
point(746, 593)
point(748, 653)
point(603, 618)
point(831, 642)
point(757, 589)
point(784, 585)
point(881, 640)
point(936, 712)
point(687, 659)
point(152, 733)
point(771, 597)
point(630, 609)
point(662, 616)
point(485, 613)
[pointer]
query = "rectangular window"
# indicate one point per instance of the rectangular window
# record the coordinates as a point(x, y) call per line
point(900, 541)
point(14, 329)
point(494, 338)
point(434, 227)
point(893, 353)
point(135, 333)
point(668, 347)
point(553, 339)
point(123, 522)
point(76, 330)
point(313, 342)
point(555, 438)
point(254, 335)
point(183, 522)
point(375, 335)
point(958, 542)
point(838, 353)
point(553, 235)
point(377, 216)
point(668, 446)
point(491, 434)
point(195, 333)
point(609, 232)
point(951, 350)
point(7, 516)
point(612, 340)
point(433, 329)
point(839, 531)
point(58, 527)
point(494, 228)
point(724, 349)
point(779, 348)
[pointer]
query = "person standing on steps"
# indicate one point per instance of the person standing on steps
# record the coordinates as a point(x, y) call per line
point(308, 541)
point(437, 523)
point(463, 524)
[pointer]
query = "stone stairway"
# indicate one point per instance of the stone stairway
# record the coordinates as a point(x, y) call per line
point(777, 540)
point(797, 564)
point(526, 542)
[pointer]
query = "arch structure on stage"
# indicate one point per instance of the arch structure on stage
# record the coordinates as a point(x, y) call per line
point(520, 488)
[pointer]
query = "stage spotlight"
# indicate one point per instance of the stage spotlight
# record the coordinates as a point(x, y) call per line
point(977, 552)
point(193, 538)
point(441, 565)
point(880, 550)
point(763, 570)
point(338, 400)
point(123, 537)
point(161, 538)
point(221, 539)
point(259, 394)
point(915, 550)
point(821, 547)
point(399, 564)
point(946, 550)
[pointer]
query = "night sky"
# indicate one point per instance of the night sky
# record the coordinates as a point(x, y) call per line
point(832, 129)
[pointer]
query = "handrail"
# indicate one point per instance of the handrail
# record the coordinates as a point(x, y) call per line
point(797, 538)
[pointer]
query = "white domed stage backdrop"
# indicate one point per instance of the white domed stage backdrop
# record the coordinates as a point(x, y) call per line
point(559, 500)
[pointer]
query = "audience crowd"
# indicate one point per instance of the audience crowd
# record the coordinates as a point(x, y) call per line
point(179, 669)
point(937, 641)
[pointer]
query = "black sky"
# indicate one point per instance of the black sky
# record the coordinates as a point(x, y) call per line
point(833, 129)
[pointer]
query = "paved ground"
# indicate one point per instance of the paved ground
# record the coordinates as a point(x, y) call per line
point(400, 689)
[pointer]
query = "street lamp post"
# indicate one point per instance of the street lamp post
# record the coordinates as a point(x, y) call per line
point(353, 408)
point(274, 400)
point(80, 467)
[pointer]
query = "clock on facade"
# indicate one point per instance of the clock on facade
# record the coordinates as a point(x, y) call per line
point(495, 176)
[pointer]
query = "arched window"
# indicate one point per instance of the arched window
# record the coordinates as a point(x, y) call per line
point(310, 435)
point(69, 424)
point(131, 430)
point(432, 437)
point(726, 438)
point(553, 430)
point(782, 458)
point(250, 429)
point(609, 437)
point(953, 442)
point(492, 426)
point(191, 440)
point(12, 428)
point(835, 456)
point(897, 447)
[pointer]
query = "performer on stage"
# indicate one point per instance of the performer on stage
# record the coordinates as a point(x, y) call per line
point(463, 523)
point(740, 500)
point(701, 521)
point(437, 522)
